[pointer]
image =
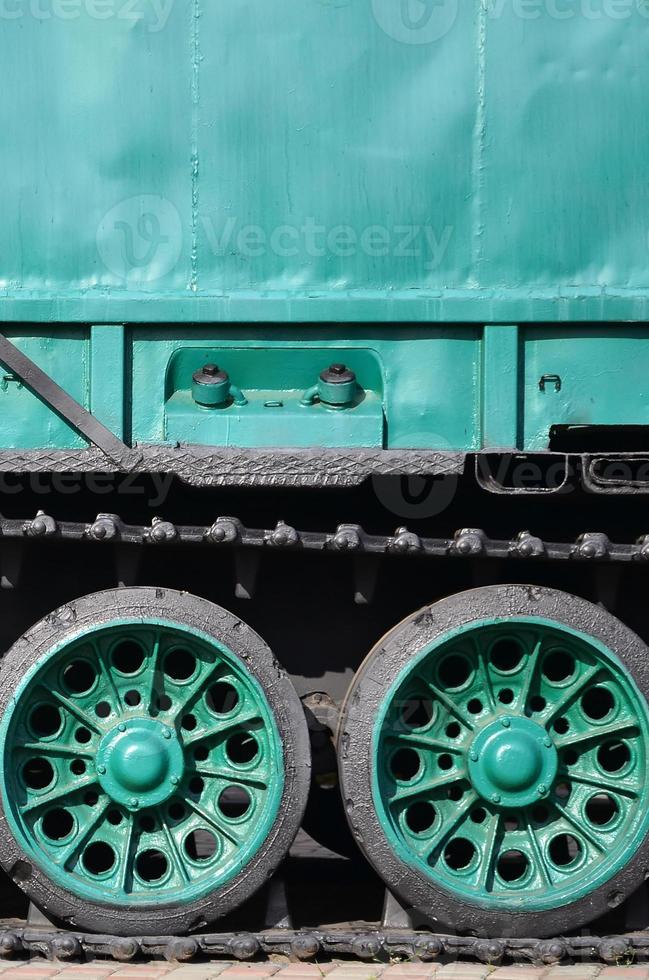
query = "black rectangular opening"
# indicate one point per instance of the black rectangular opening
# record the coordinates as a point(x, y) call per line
point(599, 438)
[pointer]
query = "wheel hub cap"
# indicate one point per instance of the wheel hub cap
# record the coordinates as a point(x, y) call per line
point(140, 762)
point(513, 762)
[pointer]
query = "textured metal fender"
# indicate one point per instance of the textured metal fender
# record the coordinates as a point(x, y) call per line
point(70, 621)
point(440, 908)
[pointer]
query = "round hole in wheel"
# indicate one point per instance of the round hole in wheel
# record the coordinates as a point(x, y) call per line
point(234, 802)
point(200, 845)
point(79, 677)
point(189, 722)
point(58, 824)
point(417, 712)
point(613, 756)
point(180, 664)
point(459, 853)
point(558, 665)
point(151, 865)
point(37, 773)
point(128, 657)
point(512, 865)
point(445, 762)
point(222, 698)
point(475, 706)
point(506, 655)
point(45, 720)
point(454, 671)
point(134, 786)
point(242, 748)
point(405, 764)
point(98, 858)
point(597, 703)
point(602, 809)
point(511, 762)
point(564, 850)
point(132, 698)
point(420, 817)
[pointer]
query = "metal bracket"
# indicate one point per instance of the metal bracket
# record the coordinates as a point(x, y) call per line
point(59, 401)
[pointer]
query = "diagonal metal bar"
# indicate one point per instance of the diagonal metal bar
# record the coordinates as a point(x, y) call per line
point(56, 398)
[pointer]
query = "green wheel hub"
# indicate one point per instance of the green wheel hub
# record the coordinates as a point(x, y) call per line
point(513, 761)
point(141, 764)
point(510, 762)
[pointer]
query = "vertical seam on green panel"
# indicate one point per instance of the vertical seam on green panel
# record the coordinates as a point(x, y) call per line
point(196, 97)
point(107, 376)
point(479, 139)
point(500, 387)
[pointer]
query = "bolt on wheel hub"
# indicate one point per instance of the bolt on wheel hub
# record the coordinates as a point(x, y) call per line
point(513, 762)
point(141, 757)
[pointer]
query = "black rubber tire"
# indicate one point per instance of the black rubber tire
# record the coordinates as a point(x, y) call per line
point(440, 908)
point(184, 609)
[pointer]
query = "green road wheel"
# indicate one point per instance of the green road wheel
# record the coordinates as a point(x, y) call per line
point(502, 740)
point(155, 762)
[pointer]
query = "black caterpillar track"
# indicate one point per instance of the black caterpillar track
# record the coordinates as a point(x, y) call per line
point(347, 538)
point(369, 944)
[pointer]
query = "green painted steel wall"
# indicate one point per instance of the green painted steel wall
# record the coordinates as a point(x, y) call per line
point(477, 161)
point(452, 387)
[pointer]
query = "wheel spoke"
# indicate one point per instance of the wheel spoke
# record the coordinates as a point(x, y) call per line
point(214, 823)
point(425, 789)
point(231, 776)
point(579, 826)
point(176, 858)
point(485, 878)
point(486, 679)
point(126, 854)
point(107, 675)
point(219, 732)
point(75, 846)
point(424, 742)
point(449, 704)
point(153, 670)
point(78, 712)
point(196, 690)
point(602, 784)
point(530, 672)
point(56, 749)
point(461, 814)
point(596, 734)
point(59, 794)
point(573, 693)
point(538, 853)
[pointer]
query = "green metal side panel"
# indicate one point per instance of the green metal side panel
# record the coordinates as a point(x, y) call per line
point(324, 160)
